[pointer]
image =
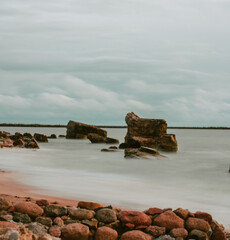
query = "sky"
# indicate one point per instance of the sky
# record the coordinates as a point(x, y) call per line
point(94, 61)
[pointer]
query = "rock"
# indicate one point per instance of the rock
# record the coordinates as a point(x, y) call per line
point(40, 137)
point(165, 237)
point(19, 143)
point(58, 221)
point(21, 217)
point(52, 136)
point(203, 215)
point(75, 231)
point(61, 136)
point(42, 202)
point(123, 146)
point(92, 224)
point(95, 138)
point(55, 231)
point(55, 211)
point(135, 234)
point(218, 234)
point(134, 217)
point(10, 235)
point(32, 144)
point(199, 235)
point(111, 141)
point(5, 226)
point(155, 231)
point(153, 211)
point(108, 150)
point(37, 229)
point(106, 233)
point(198, 224)
point(5, 204)
point(7, 218)
point(89, 205)
point(80, 214)
point(27, 135)
point(151, 151)
point(182, 213)
point(74, 128)
point(44, 221)
point(137, 153)
point(32, 209)
point(113, 147)
point(149, 133)
point(179, 232)
point(106, 215)
point(169, 220)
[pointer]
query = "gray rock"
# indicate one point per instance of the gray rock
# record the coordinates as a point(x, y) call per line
point(37, 228)
point(165, 237)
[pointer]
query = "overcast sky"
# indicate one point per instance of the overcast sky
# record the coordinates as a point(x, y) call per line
point(95, 60)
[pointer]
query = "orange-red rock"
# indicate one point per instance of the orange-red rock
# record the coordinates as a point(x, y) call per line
point(203, 215)
point(197, 223)
point(179, 232)
point(155, 231)
point(32, 209)
point(135, 235)
point(153, 211)
point(218, 234)
point(135, 217)
point(106, 233)
point(169, 220)
point(182, 213)
point(55, 231)
point(75, 231)
point(89, 205)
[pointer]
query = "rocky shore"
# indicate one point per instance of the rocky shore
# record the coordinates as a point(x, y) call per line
point(31, 219)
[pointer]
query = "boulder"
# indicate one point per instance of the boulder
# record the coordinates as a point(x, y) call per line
point(76, 128)
point(169, 220)
point(135, 234)
point(75, 231)
point(106, 233)
point(40, 137)
point(149, 133)
point(106, 215)
point(32, 144)
point(32, 209)
point(109, 150)
point(135, 218)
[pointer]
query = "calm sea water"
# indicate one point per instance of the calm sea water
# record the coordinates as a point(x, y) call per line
point(196, 177)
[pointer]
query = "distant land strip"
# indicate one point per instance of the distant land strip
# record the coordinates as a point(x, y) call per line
point(101, 126)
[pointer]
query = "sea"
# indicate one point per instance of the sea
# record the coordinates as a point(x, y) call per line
point(196, 177)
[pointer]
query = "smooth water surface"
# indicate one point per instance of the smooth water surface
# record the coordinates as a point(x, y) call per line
point(196, 177)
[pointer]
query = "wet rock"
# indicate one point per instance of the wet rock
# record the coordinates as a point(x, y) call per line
point(113, 147)
point(40, 137)
point(106, 233)
point(20, 217)
point(80, 214)
point(179, 232)
point(135, 234)
point(32, 143)
point(75, 231)
point(32, 209)
point(19, 143)
point(61, 136)
point(155, 231)
point(106, 215)
point(169, 220)
point(134, 217)
point(5, 204)
point(10, 235)
point(44, 221)
point(27, 135)
point(55, 211)
point(75, 128)
point(89, 205)
point(198, 224)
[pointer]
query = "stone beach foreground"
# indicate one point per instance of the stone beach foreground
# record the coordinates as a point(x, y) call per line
point(28, 216)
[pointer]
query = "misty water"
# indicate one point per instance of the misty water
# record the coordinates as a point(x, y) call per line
point(196, 177)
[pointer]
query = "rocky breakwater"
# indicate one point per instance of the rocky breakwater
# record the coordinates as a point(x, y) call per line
point(149, 133)
point(17, 140)
point(40, 220)
point(77, 130)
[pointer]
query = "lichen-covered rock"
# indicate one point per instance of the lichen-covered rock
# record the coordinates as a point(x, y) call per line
point(80, 214)
point(55, 211)
point(135, 218)
point(198, 224)
point(135, 234)
point(106, 233)
point(75, 231)
point(32, 209)
point(75, 128)
point(169, 220)
point(106, 215)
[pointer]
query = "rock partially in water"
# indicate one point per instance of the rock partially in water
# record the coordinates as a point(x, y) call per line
point(40, 137)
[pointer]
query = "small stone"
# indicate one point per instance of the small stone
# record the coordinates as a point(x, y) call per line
point(182, 213)
point(203, 215)
point(155, 231)
point(6, 218)
point(44, 221)
point(179, 232)
point(42, 202)
point(55, 211)
point(75, 231)
point(153, 211)
point(80, 214)
point(89, 205)
point(37, 228)
point(55, 231)
point(165, 237)
point(92, 224)
point(106, 215)
point(135, 234)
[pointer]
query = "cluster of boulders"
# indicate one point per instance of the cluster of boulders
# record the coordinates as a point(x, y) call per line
point(149, 133)
point(77, 130)
point(27, 220)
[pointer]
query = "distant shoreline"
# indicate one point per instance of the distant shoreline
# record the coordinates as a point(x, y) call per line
point(101, 126)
